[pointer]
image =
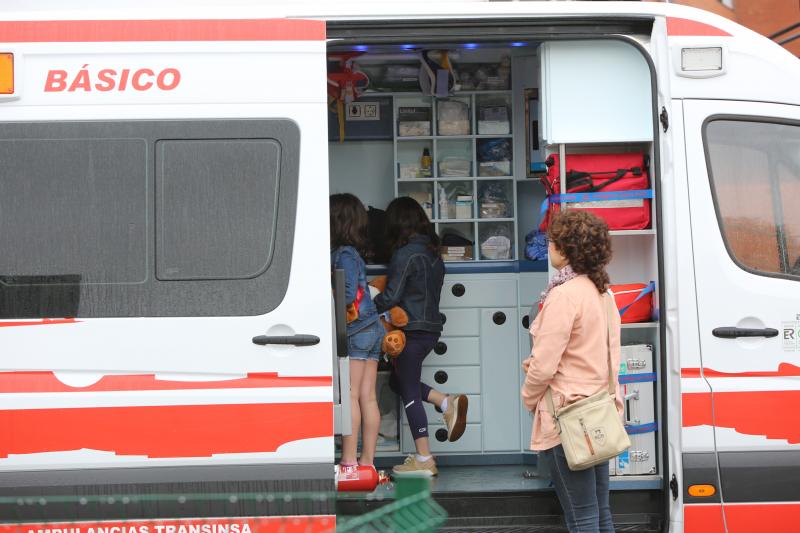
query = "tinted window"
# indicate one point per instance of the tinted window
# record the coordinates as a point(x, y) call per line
point(755, 176)
point(146, 218)
point(215, 208)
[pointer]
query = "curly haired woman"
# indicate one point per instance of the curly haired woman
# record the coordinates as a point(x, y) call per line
point(570, 356)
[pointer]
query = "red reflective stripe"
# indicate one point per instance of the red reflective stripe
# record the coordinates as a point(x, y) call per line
point(784, 369)
point(43, 322)
point(164, 431)
point(70, 31)
point(772, 414)
point(742, 518)
point(48, 382)
point(261, 524)
point(696, 409)
point(685, 28)
point(705, 518)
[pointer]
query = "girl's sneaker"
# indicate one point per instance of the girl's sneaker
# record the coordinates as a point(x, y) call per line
point(455, 416)
point(413, 467)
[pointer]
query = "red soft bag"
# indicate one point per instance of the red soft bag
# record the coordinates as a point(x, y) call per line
point(615, 187)
point(634, 301)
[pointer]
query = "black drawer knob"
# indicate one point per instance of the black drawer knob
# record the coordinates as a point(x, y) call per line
point(440, 348)
point(458, 290)
point(441, 434)
point(440, 377)
point(526, 322)
point(444, 318)
point(499, 318)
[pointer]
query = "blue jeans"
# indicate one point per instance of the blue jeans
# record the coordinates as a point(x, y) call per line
point(583, 494)
point(365, 345)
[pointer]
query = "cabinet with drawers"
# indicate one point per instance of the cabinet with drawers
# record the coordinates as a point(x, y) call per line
point(477, 355)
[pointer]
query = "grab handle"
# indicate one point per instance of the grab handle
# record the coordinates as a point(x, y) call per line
point(733, 333)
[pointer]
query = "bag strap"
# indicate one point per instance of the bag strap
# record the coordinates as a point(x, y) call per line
point(611, 307)
point(612, 384)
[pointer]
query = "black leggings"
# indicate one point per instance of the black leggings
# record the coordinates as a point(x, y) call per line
point(405, 379)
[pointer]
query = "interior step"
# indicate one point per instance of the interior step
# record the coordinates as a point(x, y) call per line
point(512, 498)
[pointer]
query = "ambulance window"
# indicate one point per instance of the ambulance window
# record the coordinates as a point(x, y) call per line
point(146, 218)
point(72, 211)
point(755, 176)
point(215, 205)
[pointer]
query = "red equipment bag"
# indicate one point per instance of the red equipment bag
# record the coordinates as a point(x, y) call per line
point(614, 187)
point(634, 301)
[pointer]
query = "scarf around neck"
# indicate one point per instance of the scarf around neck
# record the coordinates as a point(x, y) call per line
point(561, 277)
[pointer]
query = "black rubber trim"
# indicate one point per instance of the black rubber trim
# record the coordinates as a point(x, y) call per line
point(700, 469)
point(526, 26)
point(760, 476)
point(164, 492)
point(163, 474)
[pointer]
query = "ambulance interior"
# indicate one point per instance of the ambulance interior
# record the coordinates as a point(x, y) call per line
point(466, 129)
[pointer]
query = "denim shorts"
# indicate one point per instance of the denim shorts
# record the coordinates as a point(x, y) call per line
point(365, 345)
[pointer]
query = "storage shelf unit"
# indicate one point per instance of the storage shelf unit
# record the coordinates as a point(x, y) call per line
point(441, 188)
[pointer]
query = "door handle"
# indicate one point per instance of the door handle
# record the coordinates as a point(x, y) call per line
point(733, 333)
point(295, 340)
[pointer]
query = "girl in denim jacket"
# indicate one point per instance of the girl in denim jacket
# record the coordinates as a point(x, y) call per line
point(414, 282)
point(348, 223)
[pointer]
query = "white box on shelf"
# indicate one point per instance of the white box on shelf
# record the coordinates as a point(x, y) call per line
point(464, 207)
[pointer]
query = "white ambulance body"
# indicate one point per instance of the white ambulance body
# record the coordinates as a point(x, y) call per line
point(164, 267)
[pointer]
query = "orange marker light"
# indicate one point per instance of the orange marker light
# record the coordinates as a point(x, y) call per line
point(702, 491)
point(6, 73)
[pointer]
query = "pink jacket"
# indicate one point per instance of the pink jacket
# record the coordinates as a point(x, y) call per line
point(569, 354)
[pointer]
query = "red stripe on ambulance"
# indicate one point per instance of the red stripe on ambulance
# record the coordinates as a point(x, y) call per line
point(165, 431)
point(784, 370)
point(43, 322)
point(679, 27)
point(85, 31)
point(261, 524)
point(741, 518)
point(48, 382)
point(772, 414)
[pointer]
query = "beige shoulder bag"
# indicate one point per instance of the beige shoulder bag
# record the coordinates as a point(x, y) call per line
point(591, 429)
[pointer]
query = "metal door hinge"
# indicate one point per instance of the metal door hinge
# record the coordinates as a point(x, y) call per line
point(664, 119)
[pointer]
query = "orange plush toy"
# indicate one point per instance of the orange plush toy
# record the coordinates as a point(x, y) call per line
point(394, 342)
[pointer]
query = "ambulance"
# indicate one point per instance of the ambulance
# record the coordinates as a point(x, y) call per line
point(170, 347)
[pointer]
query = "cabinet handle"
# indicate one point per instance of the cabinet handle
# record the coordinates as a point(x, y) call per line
point(458, 290)
point(440, 377)
point(444, 318)
point(441, 434)
point(440, 348)
point(499, 318)
point(526, 322)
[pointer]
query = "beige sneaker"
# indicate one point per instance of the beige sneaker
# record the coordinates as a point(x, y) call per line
point(455, 417)
point(412, 467)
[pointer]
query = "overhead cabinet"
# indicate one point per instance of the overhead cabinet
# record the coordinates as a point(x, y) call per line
point(595, 92)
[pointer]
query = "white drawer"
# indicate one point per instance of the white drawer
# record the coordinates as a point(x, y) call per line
point(453, 379)
point(455, 351)
point(470, 441)
point(479, 293)
point(461, 322)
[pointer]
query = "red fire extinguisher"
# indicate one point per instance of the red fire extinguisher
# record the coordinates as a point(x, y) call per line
point(356, 478)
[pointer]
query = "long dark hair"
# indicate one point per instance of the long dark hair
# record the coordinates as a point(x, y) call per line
point(348, 220)
point(583, 238)
point(406, 218)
